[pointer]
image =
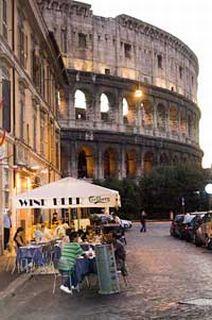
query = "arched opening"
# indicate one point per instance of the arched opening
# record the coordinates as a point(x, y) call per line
point(173, 120)
point(110, 164)
point(175, 161)
point(161, 117)
point(148, 162)
point(163, 160)
point(125, 110)
point(80, 105)
point(85, 163)
point(130, 163)
point(190, 124)
point(147, 115)
point(104, 107)
point(183, 124)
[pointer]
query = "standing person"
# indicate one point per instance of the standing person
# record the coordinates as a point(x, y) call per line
point(7, 227)
point(143, 221)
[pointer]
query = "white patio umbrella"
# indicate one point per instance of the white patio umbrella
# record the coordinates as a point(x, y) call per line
point(67, 193)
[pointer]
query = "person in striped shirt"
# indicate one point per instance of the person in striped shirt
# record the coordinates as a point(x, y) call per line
point(70, 252)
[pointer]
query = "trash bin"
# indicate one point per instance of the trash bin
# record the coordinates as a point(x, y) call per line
point(106, 269)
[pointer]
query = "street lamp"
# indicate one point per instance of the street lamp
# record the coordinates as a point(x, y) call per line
point(208, 190)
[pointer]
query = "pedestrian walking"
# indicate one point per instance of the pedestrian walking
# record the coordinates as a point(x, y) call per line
point(7, 227)
point(143, 221)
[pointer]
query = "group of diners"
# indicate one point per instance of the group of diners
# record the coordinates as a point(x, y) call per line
point(74, 245)
point(73, 250)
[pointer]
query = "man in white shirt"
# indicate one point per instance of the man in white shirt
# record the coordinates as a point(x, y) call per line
point(7, 227)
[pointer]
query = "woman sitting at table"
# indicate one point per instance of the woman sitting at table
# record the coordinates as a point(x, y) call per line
point(18, 238)
point(70, 252)
point(46, 233)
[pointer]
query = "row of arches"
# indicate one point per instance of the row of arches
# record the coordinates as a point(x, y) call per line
point(161, 117)
point(131, 164)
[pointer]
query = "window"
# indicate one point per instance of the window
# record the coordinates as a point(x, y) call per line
point(127, 50)
point(21, 119)
point(42, 133)
point(82, 40)
point(160, 61)
point(21, 43)
point(181, 72)
point(64, 40)
point(107, 71)
point(80, 105)
point(104, 107)
point(7, 105)
point(4, 18)
point(125, 110)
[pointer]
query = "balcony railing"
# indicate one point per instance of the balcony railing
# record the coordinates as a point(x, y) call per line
point(126, 128)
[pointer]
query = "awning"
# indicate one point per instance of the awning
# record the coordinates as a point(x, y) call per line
point(68, 193)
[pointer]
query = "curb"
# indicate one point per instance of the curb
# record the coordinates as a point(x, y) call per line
point(12, 287)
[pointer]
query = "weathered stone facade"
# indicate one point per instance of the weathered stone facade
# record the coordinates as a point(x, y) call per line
point(106, 130)
point(30, 76)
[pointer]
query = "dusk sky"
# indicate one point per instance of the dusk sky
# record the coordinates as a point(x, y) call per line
point(191, 22)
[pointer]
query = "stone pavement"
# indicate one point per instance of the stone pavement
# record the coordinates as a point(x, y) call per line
point(165, 275)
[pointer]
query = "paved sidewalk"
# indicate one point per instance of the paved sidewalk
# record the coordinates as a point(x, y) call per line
point(9, 282)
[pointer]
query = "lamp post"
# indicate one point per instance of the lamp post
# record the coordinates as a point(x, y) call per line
point(208, 190)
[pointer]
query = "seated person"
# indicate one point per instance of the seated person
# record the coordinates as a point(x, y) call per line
point(47, 236)
point(89, 234)
point(120, 255)
point(38, 234)
point(60, 230)
point(70, 252)
point(18, 238)
point(54, 217)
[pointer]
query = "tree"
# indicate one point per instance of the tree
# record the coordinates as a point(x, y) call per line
point(164, 188)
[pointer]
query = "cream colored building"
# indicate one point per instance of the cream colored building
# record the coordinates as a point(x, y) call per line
point(31, 77)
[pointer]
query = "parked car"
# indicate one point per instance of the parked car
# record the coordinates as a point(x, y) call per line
point(107, 218)
point(203, 234)
point(186, 227)
point(194, 225)
point(176, 226)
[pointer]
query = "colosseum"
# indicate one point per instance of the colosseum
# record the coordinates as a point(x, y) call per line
point(131, 103)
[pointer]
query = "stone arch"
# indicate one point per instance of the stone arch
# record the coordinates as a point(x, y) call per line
point(173, 121)
point(110, 163)
point(104, 107)
point(190, 124)
point(125, 110)
point(148, 162)
point(85, 164)
point(161, 117)
point(80, 105)
point(130, 163)
point(183, 122)
point(163, 161)
point(175, 160)
point(132, 109)
point(147, 116)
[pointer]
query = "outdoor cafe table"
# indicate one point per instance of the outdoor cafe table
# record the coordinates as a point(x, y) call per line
point(36, 254)
point(83, 266)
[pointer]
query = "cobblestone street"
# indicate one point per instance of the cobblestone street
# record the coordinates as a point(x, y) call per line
point(163, 273)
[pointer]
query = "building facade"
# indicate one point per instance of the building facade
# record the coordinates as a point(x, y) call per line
point(108, 129)
point(31, 78)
